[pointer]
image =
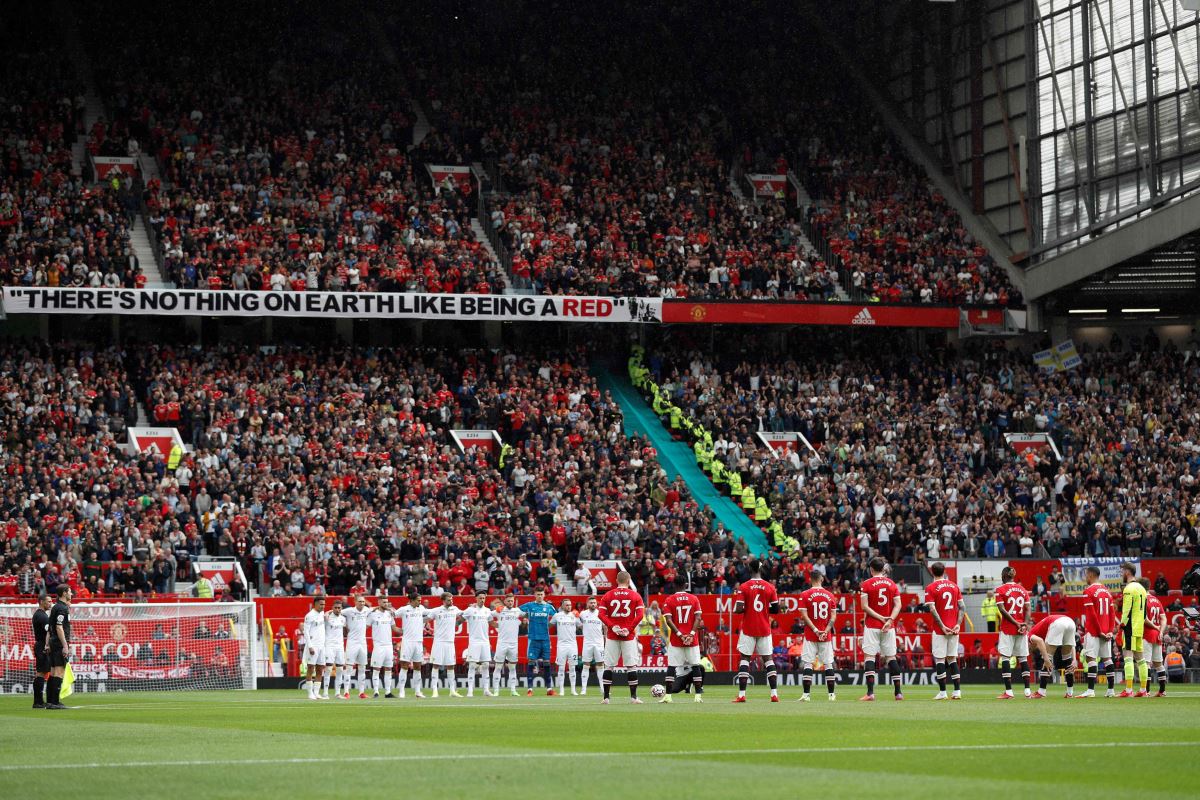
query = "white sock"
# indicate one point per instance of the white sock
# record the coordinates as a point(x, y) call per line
point(470, 676)
point(312, 687)
point(571, 675)
point(583, 677)
point(562, 677)
point(402, 679)
point(387, 681)
point(512, 677)
point(325, 681)
point(497, 674)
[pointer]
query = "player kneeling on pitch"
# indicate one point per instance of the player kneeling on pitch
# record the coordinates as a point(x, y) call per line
point(681, 612)
point(1053, 643)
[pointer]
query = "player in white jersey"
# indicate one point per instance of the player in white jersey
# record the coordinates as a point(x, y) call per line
point(412, 642)
point(314, 645)
point(335, 652)
point(593, 642)
point(383, 625)
point(357, 619)
point(508, 627)
point(480, 620)
point(566, 654)
point(445, 620)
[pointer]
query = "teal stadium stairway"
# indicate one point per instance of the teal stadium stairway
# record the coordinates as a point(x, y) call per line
point(678, 460)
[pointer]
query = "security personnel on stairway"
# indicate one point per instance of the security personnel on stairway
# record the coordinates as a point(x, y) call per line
point(505, 452)
point(703, 457)
point(718, 473)
point(991, 612)
point(659, 404)
point(762, 514)
point(175, 457)
point(676, 419)
point(735, 484)
point(748, 498)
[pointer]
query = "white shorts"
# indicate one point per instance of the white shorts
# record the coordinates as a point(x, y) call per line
point(412, 652)
point(683, 656)
point(479, 652)
point(1097, 647)
point(567, 654)
point(593, 653)
point(314, 655)
point(442, 654)
point(356, 654)
point(945, 646)
point(506, 653)
point(755, 645)
point(382, 657)
point(812, 652)
point(621, 653)
point(1061, 633)
point(1152, 652)
point(1013, 644)
point(335, 655)
point(878, 642)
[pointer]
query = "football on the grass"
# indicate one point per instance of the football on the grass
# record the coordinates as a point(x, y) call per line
point(658, 690)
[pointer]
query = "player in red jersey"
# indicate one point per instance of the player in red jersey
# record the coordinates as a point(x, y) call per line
point(880, 599)
point(1053, 645)
point(945, 602)
point(621, 612)
point(681, 612)
point(818, 609)
point(1152, 649)
point(1100, 628)
point(756, 601)
point(1012, 600)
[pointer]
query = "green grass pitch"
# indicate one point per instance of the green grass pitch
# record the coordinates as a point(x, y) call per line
point(279, 745)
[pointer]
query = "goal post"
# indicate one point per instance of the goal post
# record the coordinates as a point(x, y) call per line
point(124, 646)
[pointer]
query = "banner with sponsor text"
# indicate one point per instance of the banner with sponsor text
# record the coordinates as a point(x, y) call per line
point(332, 305)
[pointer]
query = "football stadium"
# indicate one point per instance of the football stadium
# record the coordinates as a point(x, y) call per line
point(551, 399)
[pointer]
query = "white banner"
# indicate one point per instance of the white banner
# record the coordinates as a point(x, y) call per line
point(334, 305)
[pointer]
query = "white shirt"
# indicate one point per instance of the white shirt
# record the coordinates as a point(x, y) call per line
point(314, 629)
point(335, 628)
point(478, 621)
point(567, 625)
point(509, 626)
point(412, 620)
point(381, 627)
point(593, 628)
point(444, 622)
point(356, 625)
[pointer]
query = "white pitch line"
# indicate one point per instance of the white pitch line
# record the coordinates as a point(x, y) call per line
point(213, 762)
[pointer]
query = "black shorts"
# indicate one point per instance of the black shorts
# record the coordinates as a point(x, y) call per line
point(58, 658)
point(42, 663)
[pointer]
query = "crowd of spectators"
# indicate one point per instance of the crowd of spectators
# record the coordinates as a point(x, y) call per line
point(910, 460)
point(56, 228)
point(332, 469)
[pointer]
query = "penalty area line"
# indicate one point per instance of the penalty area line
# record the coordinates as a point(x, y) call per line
point(215, 762)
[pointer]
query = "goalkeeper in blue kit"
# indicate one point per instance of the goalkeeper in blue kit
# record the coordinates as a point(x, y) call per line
point(537, 653)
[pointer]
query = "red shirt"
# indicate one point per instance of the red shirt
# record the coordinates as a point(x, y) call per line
point(1013, 598)
point(1098, 609)
point(1154, 618)
point(1043, 626)
point(756, 595)
point(821, 605)
point(684, 610)
point(943, 598)
point(622, 608)
point(882, 594)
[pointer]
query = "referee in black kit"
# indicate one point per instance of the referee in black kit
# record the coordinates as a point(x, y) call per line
point(41, 650)
point(59, 646)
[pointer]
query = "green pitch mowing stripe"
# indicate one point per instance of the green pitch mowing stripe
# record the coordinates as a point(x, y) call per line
point(277, 744)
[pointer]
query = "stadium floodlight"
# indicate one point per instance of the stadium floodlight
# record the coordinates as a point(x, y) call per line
point(124, 646)
point(1140, 310)
point(1088, 311)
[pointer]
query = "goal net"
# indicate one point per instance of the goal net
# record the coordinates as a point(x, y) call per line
point(140, 646)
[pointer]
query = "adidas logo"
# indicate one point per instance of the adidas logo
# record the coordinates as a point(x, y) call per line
point(863, 318)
